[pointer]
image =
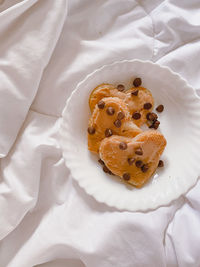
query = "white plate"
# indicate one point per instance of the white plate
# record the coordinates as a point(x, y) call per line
point(180, 123)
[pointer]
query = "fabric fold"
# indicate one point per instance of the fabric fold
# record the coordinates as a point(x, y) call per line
point(27, 42)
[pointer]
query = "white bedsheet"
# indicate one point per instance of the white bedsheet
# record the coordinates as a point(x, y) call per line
point(46, 48)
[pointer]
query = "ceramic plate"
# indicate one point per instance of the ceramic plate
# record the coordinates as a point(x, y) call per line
point(180, 124)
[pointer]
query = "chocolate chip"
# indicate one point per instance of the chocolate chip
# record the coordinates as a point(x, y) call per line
point(136, 116)
point(91, 130)
point(122, 145)
point(120, 87)
point(152, 125)
point(147, 116)
point(155, 124)
point(117, 123)
point(101, 104)
point(137, 82)
point(108, 132)
point(151, 116)
point(120, 115)
point(160, 108)
point(101, 162)
point(110, 111)
point(126, 176)
point(139, 151)
point(130, 161)
point(138, 163)
point(147, 105)
point(106, 170)
point(135, 93)
point(145, 168)
point(160, 163)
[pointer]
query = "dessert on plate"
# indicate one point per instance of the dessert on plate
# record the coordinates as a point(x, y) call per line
point(125, 149)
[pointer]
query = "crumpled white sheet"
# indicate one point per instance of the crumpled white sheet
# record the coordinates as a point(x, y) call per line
point(46, 48)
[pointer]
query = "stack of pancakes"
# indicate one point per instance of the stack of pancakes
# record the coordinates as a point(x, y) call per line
point(114, 131)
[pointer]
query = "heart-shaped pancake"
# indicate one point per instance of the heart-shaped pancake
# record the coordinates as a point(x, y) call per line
point(133, 159)
point(138, 99)
point(110, 117)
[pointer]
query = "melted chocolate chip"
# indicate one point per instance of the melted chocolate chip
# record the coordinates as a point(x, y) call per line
point(136, 116)
point(123, 146)
point(145, 168)
point(101, 104)
point(120, 87)
point(108, 132)
point(117, 123)
point(138, 163)
point(147, 105)
point(121, 115)
point(160, 163)
point(137, 82)
point(110, 111)
point(126, 176)
point(91, 130)
point(131, 161)
point(135, 93)
point(160, 108)
point(139, 151)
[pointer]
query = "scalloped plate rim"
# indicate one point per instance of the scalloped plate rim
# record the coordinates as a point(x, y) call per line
point(154, 205)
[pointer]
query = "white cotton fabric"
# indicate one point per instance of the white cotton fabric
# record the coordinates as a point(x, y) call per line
point(46, 48)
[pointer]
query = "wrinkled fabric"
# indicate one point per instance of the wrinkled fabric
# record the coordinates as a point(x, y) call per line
point(47, 47)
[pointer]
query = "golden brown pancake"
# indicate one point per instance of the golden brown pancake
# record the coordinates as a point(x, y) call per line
point(133, 159)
